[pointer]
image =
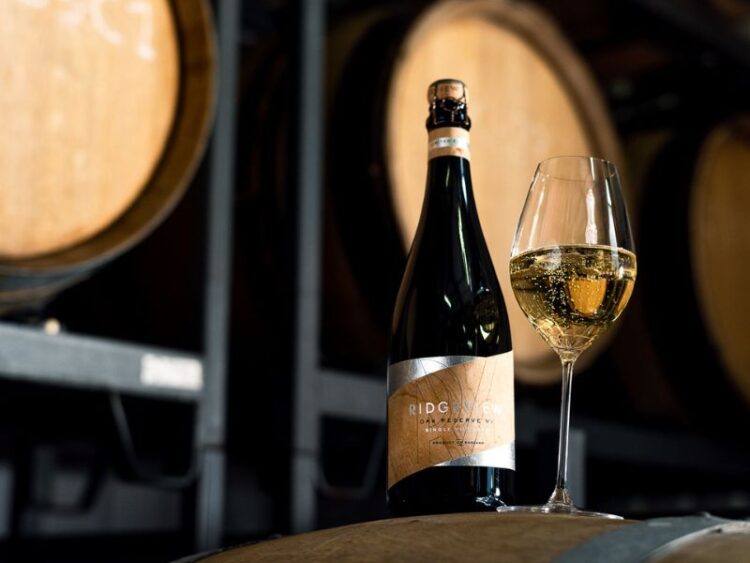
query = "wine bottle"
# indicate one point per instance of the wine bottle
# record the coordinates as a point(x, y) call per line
point(451, 430)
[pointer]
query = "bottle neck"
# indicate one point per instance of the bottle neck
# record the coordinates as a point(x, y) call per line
point(449, 198)
point(449, 171)
point(448, 141)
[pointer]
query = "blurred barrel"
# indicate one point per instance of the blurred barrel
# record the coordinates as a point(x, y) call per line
point(720, 245)
point(531, 97)
point(508, 537)
point(694, 271)
point(106, 108)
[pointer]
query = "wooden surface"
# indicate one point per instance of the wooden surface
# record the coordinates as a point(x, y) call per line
point(522, 538)
point(29, 280)
point(720, 244)
point(725, 547)
point(482, 537)
point(530, 98)
point(88, 99)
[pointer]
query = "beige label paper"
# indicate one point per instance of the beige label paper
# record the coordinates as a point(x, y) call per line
point(449, 141)
point(450, 411)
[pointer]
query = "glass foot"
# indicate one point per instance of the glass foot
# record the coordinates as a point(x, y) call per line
point(553, 508)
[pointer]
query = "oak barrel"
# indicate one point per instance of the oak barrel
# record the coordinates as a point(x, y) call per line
point(490, 537)
point(531, 97)
point(694, 251)
point(106, 108)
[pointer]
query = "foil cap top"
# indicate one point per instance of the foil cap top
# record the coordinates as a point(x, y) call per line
point(447, 88)
point(448, 105)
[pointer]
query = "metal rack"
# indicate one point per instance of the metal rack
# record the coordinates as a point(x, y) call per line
point(307, 375)
point(88, 362)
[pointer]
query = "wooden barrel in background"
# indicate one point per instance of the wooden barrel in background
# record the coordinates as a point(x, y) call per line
point(531, 97)
point(106, 108)
point(720, 245)
point(684, 349)
point(529, 538)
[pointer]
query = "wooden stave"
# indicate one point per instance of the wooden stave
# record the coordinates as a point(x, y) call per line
point(29, 283)
point(445, 538)
point(508, 537)
point(728, 546)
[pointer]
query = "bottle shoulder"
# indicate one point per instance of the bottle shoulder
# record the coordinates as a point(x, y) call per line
point(449, 302)
point(449, 307)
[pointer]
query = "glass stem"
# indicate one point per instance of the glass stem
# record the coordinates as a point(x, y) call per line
point(561, 496)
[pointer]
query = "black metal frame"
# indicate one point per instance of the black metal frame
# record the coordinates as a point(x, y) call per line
point(307, 391)
point(210, 421)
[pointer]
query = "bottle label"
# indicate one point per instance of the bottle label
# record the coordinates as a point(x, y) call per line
point(449, 141)
point(450, 411)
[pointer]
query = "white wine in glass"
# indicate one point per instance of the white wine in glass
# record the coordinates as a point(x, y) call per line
point(572, 269)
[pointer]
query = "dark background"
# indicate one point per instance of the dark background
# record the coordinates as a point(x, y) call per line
point(659, 428)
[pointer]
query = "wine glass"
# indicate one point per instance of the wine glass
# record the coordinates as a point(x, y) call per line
point(572, 270)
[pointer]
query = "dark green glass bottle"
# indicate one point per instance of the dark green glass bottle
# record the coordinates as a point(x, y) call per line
point(451, 433)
